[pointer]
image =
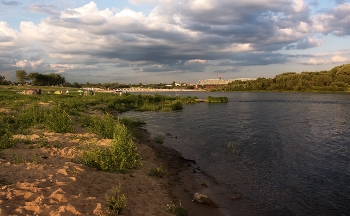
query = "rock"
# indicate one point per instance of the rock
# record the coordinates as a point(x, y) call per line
point(204, 199)
point(236, 197)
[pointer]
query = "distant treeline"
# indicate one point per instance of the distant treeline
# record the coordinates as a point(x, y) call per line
point(337, 79)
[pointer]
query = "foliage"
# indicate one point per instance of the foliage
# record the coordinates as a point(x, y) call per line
point(21, 76)
point(116, 203)
point(177, 210)
point(104, 125)
point(211, 99)
point(17, 159)
point(119, 156)
point(46, 79)
point(337, 79)
point(2, 78)
point(159, 139)
point(32, 115)
point(177, 105)
point(5, 136)
point(157, 172)
point(43, 142)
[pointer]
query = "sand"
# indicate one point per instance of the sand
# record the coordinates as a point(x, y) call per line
point(50, 180)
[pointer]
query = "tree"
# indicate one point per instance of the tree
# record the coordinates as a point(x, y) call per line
point(2, 78)
point(21, 76)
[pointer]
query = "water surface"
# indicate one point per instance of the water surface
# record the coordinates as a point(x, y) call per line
point(286, 153)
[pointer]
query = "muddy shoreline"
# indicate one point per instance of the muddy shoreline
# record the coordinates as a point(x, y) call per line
point(184, 178)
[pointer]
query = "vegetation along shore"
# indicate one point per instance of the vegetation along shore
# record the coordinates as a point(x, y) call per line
point(71, 154)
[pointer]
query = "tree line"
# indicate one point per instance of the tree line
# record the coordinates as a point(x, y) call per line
point(40, 79)
point(336, 79)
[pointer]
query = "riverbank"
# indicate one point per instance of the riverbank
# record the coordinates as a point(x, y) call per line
point(50, 180)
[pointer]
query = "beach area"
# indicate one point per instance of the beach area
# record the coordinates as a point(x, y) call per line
point(51, 181)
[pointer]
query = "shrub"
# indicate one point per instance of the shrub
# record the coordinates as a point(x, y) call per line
point(118, 157)
point(177, 210)
point(211, 99)
point(103, 126)
point(6, 140)
point(157, 172)
point(58, 120)
point(33, 115)
point(177, 105)
point(159, 139)
point(116, 203)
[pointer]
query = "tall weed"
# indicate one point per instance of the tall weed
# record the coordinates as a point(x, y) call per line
point(6, 134)
point(118, 157)
point(58, 120)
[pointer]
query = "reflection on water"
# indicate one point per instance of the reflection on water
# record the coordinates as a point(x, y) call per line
point(291, 150)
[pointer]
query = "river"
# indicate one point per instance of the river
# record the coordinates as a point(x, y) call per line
point(285, 153)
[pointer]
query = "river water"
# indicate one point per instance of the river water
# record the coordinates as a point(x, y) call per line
point(285, 153)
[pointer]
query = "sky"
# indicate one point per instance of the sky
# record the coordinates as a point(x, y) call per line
point(161, 41)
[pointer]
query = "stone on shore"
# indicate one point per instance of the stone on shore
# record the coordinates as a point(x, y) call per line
point(204, 199)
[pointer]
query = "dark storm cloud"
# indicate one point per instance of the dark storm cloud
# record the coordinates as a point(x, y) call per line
point(183, 66)
point(255, 59)
point(215, 32)
point(303, 44)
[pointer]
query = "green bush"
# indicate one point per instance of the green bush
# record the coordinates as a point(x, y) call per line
point(116, 203)
point(58, 120)
point(177, 210)
point(211, 99)
point(105, 125)
point(33, 115)
point(157, 172)
point(6, 140)
point(177, 105)
point(118, 157)
point(159, 139)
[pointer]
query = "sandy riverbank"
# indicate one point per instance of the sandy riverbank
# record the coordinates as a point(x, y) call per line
point(49, 181)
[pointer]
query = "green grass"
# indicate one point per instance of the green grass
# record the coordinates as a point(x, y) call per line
point(159, 139)
point(119, 156)
point(211, 99)
point(17, 159)
point(177, 210)
point(157, 172)
point(22, 114)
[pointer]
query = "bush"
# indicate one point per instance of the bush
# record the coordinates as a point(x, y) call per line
point(211, 99)
point(157, 172)
point(177, 105)
point(116, 202)
point(6, 140)
point(159, 139)
point(177, 210)
point(58, 120)
point(33, 115)
point(118, 157)
point(104, 126)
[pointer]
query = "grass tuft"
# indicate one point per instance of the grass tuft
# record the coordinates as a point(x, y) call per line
point(177, 210)
point(159, 139)
point(157, 172)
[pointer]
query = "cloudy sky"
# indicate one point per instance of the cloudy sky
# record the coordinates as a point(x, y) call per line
point(160, 41)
